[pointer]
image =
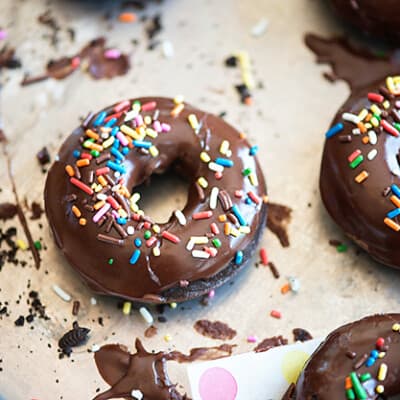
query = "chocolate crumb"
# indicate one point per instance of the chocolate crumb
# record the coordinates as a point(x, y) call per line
point(279, 216)
point(20, 321)
point(231, 61)
point(43, 156)
point(75, 307)
point(274, 270)
point(361, 360)
point(8, 210)
point(269, 343)
point(151, 331)
point(75, 337)
point(351, 354)
point(37, 211)
point(214, 330)
point(301, 335)
point(335, 242)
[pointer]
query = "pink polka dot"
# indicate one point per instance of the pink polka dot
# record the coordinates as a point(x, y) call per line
point(217, 384)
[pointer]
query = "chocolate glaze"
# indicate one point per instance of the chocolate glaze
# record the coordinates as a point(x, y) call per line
point(279, 217)
point(156, 279)
point(323, 377)
point(269, 343)
point(380, 18)
point(214, 330)
point(7, 210)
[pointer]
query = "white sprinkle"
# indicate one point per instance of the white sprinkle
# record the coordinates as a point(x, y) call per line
point(372, 154)
point(214, 198)
point(180, 217)
point(94, 348)
point(351, 118)
point(101, 196)
point(137, 394)
point(294, 284)
point(156, 251)
point(224, 147)
point(199, 239)
point(130, 115)
point(130, 230)
point(200, 254)
point(135, 197)
point(168, 49)
point(373, 138)
point(190, 245)
point(93, 301)
point(105, 135)
point(61, 293)
point(260, 27)
point(228, 153)
point(356, 131)
point(215, 167)
point(145, 313)
point(57, 157)
point(117, 174)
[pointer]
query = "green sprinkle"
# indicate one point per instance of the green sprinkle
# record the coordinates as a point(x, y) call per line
point(94, 153)
point(341, 248)
point(378, 117)
point(216, 242)
point(365, 377)
point(350, 394)
point(38, 245)
point(147, 235)
point(357, 387)
point(111, 261)
point(246, 172)
point(357, 161)
point(397, 125)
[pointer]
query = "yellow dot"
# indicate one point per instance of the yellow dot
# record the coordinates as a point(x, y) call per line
point(292, 364)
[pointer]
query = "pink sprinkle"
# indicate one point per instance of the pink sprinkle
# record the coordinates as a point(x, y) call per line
point(139, 120)
point(214, 228)
point(276, 314)
point(136, 217)
point(122, 138)
point(239, 194)
point(3, 34)
point(112, 53)
point(165, 127)
point(202, 215)
point(397, 104)
point(218, 175)
point(147, 225)
point(151, 105)
point(115, 214)
point(157, 126)
point(211, 251)
point(252, 339)
point(151, 241)
point(75, 62)
point(211, 293)
point(122, 106)
point(101, 212)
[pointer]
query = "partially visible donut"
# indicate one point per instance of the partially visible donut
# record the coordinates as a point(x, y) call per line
point(93, 211)
point(379, 18)
point(357, 361)
point(360, 171)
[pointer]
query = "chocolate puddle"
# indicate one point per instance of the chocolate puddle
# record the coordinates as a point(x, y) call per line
point(93, 57)
point(214, 329)
point(278, 219)
point(355, 65)
point(146, 373)
point(270, 343)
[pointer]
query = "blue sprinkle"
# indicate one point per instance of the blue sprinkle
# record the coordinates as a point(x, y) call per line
point(393, 213)
point(111, 122)
point(116, 167)
point(248, 200)
point(125, 150)
point(253, 150)
point(395, 190)
point(143, 144)
point(116, 144)
point(138, 242)
point(121, 221)
point(100, 118)
point(334, 130)
point(116, 153)
point(238, 257)
point(225, 162)
point(238, 215)
point(374, 353)
point(370, 362)
point(135, 256)
point(114, 130)
point(76, 153)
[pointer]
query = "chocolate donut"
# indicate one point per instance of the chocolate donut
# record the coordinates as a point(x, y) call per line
point(360, 171)
point(359, 360)
point(93, 208)
point(380, 18)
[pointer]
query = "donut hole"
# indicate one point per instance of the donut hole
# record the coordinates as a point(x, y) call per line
point(162, 194)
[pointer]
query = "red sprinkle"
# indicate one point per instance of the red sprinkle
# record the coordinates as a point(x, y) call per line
point(389, 128)
point(380, 342)
point(264, 256)
point(147, 225)
point(171, 237)
point(114, 203)
point(151, 105)
point(81, 186)
point(151, 241)
point(253, 197)
point(214, 228)
point(116, 115)
point(75, 62)
point(218, 175)
point(86, 155)
point(354, 155)
point(136, 217)
point(239, 194)
point(124, 105)
point(102, 171)
point(203, 215)
point(211, 251)
point(375, 97)
point(276, 314)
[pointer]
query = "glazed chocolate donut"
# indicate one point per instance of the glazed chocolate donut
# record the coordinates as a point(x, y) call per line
point(360, 171)
point(96, 219)
point(358, 361)
point(380, 18)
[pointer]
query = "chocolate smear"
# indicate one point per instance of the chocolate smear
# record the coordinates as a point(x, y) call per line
point(278, 219)
point(7, 58)
point(203, 353)
point(301, 335)
point(8, 210)
point(151, 331)
point(37, 211)
point(214, 330)
point(355, 65)
point(75, 337)
point(269, 343)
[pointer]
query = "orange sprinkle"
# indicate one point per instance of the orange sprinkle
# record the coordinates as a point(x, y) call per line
point(95, 146)
point(348, 384)
point(242, 135)
point(92, 134)
point(365, 139)
point(69, 170)
point(368, 117)
point(248, 101)
point(361, 177)
point(391, 224)
point(102, 180)
point(222, 218)
point(127, 17)
point(99, 204)
point(76, 211)
point(227, 228)
point(362, 127)
point(395, 200)
point(83, 162)
point(265, 199)
point(82, 221)
point(177, 109)
point(285, 288)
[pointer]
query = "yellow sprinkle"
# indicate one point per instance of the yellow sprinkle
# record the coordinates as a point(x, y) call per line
point(140, 212)
point(368, 125)
point(141, 132)
point(135, 197)
point(396, 327)
point(99, 204)
point(154, 151)
point(382, 354)
point(126, 309)
point(21, 244)
point(386, 104)
point(234, 232)
point(122, 213)
point(194, 123)
point(361, 177)
point(244, 229)
point(156, 251)
point(253, 179)
point(130, 132)
point(248, 79)
point(173, 305)
point(380, 389)
point(108, 143)
point(76, 211)
point(82, 221)
point(375, 109)
point(93, 185)
point(390, 84)
point(382, 372)
point(134, 207)
point(98, 188)
point(222, 218)
point(202, 182)
point(205, 157)
point(363, 114)
point(167, 338)
point(151, 132)
point(156, 228)
point(147, 120)
point(179, 99)
point(224, 147)
point(102, 180)
point(177, 109)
